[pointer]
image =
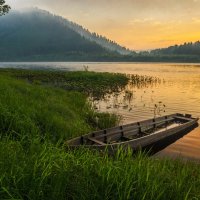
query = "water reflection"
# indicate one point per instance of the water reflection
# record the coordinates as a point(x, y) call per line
point(139, 95)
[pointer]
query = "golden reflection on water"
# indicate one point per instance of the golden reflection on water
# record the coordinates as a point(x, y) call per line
point(179, 91)
point(187, 147)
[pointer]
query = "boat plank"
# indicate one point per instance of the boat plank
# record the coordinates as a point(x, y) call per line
point(126, 138)
point(184, 118)
point(131, 129)
point(96, 141)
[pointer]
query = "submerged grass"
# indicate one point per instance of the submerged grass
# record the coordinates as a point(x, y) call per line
point(35, 119)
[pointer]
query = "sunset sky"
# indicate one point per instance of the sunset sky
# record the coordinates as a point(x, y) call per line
point(136, 24)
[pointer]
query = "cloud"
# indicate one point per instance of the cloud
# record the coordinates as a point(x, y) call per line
point(139, 21)
point(196, 20)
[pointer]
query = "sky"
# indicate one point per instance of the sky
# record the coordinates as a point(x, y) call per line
point(136, 24)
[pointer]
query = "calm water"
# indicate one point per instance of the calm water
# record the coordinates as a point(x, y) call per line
point(178, 91)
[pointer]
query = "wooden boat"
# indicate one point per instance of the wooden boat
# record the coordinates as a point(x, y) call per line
point(136, 135)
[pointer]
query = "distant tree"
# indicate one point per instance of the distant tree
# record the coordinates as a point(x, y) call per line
point(3, 8)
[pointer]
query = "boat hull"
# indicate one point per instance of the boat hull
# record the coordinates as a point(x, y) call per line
point(151, 141)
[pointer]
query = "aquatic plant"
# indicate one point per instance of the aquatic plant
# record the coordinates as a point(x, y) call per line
point(159, 108)
point(90, 83)
point(142, 81)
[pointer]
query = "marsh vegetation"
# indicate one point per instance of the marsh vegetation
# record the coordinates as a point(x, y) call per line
point(39, 110)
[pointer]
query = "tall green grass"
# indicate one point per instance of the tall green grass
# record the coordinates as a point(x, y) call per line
point(27, 111)
point(48, 172)
point(31, 110)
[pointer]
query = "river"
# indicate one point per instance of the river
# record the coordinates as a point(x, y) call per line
point(177, 91)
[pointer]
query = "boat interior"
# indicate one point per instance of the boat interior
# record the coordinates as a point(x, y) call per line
point(132, 131)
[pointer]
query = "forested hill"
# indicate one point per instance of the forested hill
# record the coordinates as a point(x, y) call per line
point(101, 40)
point(37, 35)
point(188, 49)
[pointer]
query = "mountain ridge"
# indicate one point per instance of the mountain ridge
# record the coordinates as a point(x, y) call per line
point(39, 35)
point(187, 48)
point(92, 36)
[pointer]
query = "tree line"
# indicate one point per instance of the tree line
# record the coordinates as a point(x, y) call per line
point(190, 48)
point(4, 8)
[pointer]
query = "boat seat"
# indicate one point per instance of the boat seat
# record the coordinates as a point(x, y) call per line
point(188, 116)
point(144, 133)
point(183, 118)
point(96, 141)
point(126, 138)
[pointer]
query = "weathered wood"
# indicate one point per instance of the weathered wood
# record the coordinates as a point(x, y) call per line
point(183, 118)
point(130, 129)
point(105, 136)
point(126, 138)
point(115, 133)
point(136, 135)
point(96, 141)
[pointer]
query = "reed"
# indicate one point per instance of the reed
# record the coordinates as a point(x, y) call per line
point(143, 81)
point(90, 83)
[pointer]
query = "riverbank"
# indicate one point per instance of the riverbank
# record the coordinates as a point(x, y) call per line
point(39, 110)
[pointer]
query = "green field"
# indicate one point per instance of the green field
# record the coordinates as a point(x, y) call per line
point(40, 110)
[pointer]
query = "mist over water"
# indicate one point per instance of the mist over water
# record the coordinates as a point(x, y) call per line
point(177, 91)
